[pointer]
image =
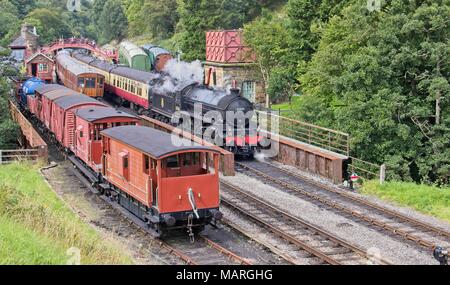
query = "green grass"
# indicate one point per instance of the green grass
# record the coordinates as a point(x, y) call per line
point(295, 104)
point(429, 200)
point(36, 227)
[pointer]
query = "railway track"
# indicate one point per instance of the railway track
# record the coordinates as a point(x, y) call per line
point(319, 244)
point(418, 232)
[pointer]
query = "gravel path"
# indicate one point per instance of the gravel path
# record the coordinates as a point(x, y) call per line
point(369, 239)
point(390, 205)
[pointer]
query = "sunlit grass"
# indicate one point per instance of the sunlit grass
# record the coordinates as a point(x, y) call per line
point(46, 227)
point(429, 200)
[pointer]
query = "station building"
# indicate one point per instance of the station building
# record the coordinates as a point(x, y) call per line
point(229, 61)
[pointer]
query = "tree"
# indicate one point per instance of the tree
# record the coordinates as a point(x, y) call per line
point(306, 19)
point(383, 77)
point(269, 39)
point(9, 131)
point(112, 23)
point(49, 24)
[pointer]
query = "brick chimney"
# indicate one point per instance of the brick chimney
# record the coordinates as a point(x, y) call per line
point(29, 34)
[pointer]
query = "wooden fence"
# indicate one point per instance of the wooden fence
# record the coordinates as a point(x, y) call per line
point(9, 156)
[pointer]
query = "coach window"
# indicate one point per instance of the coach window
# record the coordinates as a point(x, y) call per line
point(187, 159)
point(125, 165)
point(146, 164)
point(108, 145)
point(172, 162)
point(90, 82)
point(100, 82)
point(81, 82)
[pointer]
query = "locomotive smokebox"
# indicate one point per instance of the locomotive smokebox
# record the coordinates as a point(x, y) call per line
point(235, 91)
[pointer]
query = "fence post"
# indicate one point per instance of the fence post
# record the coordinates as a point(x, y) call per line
point(382, 173)
point(1, 157)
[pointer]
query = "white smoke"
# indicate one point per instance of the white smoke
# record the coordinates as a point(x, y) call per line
point(185, 73)
point(259, 156)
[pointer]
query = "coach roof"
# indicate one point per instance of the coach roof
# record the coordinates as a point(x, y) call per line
point(73, 66)
point(156, 143)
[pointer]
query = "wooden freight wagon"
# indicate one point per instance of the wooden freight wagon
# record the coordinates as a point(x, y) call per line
point(47, 103)
point(89, 123)
point(63, 118)
point(39, 92)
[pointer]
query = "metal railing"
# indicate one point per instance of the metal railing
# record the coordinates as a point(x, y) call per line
point(324, 138)
point(328, 139)
point(10, 156)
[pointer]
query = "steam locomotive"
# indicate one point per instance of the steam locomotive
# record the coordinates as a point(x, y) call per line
point(224, 116)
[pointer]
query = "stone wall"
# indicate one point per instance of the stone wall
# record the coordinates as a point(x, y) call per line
point(241, 72)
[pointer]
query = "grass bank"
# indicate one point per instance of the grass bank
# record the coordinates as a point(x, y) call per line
point(36, 227)
point(429, 200)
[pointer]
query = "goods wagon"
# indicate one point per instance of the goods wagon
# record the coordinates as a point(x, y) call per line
point(39, 92)
point(167, 185)
point(133, 56)
point(89, 123)
point(63, 118)
point(78, 77)
point(47, 104)
point(158, 56)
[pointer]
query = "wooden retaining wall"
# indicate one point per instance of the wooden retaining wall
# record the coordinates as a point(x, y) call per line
point(226, 158)
point(31, 137)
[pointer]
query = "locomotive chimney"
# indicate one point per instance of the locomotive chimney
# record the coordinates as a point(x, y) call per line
point(234, 90)
point(208, 77)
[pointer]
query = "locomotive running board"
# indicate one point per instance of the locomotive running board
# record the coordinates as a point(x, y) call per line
point(131, 217)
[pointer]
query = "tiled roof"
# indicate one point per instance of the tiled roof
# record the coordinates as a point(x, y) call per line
point(18, 42)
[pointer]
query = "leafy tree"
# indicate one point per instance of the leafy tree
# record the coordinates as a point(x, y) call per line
point(23, 6)
point(383, 77)
point(306, 20)
point(9, 131)
point(112, 23)
point(9, 26)
point(49, 24)
point(269, 38)
point(155, 18)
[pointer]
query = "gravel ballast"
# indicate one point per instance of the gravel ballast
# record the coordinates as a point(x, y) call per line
point(373, 241)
